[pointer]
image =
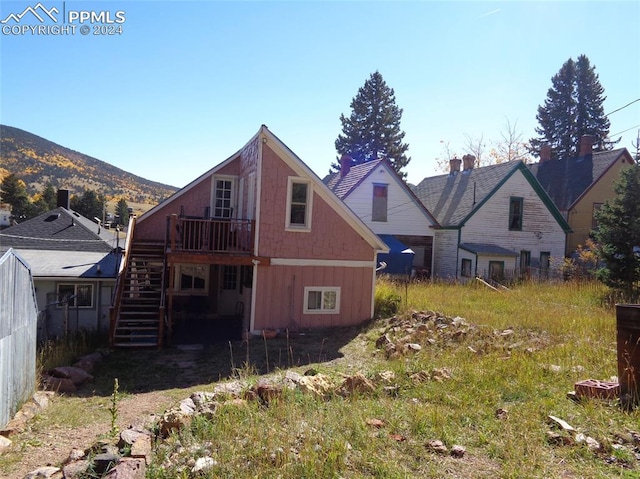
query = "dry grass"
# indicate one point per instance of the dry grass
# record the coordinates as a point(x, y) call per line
point(559, 334)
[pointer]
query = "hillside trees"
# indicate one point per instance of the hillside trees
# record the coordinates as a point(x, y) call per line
point(573, 108)
point(372, 130)
point(618, 236)
point(90, 204)
point(14, 192)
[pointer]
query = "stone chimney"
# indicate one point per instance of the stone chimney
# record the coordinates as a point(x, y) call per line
point(345, 165)
point(63, 199)
point(545, 153)
point(454, 165)
point(586, 146)
point(468, 162)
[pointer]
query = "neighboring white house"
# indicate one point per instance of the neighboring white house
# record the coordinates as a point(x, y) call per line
point(495, 221)
point(383, 201)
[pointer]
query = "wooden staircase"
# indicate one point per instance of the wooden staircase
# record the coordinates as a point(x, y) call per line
point(139, 306)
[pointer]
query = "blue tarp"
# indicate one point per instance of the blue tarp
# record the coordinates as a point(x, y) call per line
point(399, 259)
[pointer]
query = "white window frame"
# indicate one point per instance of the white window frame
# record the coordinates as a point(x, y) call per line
point(232, 200)
point(191, 291)
point(73, 301)
point(322, 290)
point(306, 227)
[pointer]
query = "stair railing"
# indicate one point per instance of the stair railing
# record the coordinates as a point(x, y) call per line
point(114, 309)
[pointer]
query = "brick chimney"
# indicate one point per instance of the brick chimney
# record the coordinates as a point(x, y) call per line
point(468, 162)
point(586, 146)
point(454, 165)
point(545, 153)
point(63, 199)
point(345, 165)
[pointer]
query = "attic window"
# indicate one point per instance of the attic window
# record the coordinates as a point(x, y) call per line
point(299, 194)
point(379, 203)
point(515, 213)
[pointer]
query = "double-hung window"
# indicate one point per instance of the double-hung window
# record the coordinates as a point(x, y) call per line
point(299, 195)
point(515, 213)
point(379, 203)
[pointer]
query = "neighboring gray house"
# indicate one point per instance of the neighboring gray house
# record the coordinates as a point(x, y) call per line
point(18, 318)
point(495, 221)
point(74, 263)
point(383, 201)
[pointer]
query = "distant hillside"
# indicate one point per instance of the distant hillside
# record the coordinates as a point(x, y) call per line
point(38, 161)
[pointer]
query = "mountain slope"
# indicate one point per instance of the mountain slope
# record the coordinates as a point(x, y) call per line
point(38, 161)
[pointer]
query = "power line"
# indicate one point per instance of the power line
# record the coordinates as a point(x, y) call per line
point(623, 107)
point(624, 131)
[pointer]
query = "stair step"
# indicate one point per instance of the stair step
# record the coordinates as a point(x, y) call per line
point(136, 345)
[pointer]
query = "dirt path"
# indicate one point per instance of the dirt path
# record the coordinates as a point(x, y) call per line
point(152, 382)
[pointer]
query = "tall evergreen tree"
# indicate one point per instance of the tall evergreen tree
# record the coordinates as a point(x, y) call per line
point(573, 108)
point(122, 212)
point(372, 130)
point(618, 236)
point(89, 205)
point(14, 192)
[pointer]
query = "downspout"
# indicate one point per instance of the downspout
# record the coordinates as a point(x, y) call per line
point(373, 284)
point(256, 239)
point(458, 250)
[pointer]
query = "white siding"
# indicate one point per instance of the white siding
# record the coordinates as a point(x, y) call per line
point(445, 254)
point(540, 230)
point(404, 215)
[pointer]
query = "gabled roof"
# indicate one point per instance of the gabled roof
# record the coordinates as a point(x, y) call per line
point(293, 161)
point(566, 180)
point(343, 186)
point(454, 198)
point(58, 230)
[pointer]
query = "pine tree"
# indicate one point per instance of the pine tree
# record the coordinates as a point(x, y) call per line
point(372, 131)
point(89, 205)
point(122, 212)
point(14, 192)
point(573, 108)
point(618, 235)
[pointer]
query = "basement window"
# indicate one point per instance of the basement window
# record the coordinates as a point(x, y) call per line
point(321, 300)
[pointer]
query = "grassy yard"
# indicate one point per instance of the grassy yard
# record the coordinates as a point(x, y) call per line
point(521, 352)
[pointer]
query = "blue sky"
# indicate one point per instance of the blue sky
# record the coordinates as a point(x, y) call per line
point(186, 84)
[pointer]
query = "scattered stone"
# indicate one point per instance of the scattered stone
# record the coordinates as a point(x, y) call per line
point(565, 426)
point(589, 441)
point(412, 347)
point(437, 446)
point(320, 385)
point(559, 439)
point(77, 375)
point(58, 385)
point(5, 443)
point(378, 423)
point(502, 413)
point(204, 463)
point(387, 376)
point(278, 457)
point(267, 391)
point(357, 383)
point(128, 468)
point(45, 472)
point(104, 461)
point(75, 469)
point(458, 451)
point(397, 437)
point(75, 455)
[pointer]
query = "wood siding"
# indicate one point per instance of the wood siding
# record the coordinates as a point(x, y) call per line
point(404, 215)
point(445, 254)
point(280, 301)
point(331, 237)
point(580, 217)
point(540, 230)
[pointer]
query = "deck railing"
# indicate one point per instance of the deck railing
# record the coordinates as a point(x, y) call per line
point(216, 236)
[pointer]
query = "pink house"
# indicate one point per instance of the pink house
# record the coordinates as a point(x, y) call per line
point(256, 243)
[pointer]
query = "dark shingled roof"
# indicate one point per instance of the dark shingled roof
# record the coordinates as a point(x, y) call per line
point(343, 185)
point(452, 198)
point(60, 230)
point(566, 180)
